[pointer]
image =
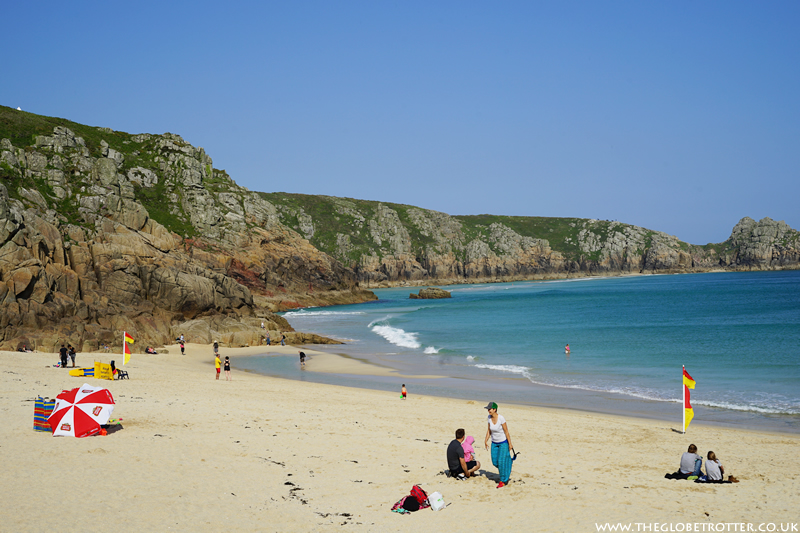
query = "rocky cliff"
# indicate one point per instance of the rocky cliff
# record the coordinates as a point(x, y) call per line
point(387, 244)
point(103, 231)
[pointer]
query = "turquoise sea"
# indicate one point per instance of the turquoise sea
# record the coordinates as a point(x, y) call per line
point(737, 333)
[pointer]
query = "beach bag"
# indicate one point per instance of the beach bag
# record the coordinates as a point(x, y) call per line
point(41, 412)
point(420, 495)
point(410, 504)
point(437, 501)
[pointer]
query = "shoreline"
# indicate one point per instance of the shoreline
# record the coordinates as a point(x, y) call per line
point(198, 454)
point(550, 277)
point(351, 371)
point(544, 376)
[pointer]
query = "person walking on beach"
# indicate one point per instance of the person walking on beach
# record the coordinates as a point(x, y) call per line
point(269, 341)
point(501, 443)
point(227, 368)
point(217, 364)
point(216, 347)
point(403, 392)
point(283, 340)
point(182, 353)
point(71, 352)
point(302, 359)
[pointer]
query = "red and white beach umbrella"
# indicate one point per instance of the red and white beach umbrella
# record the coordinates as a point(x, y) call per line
point(80, 412)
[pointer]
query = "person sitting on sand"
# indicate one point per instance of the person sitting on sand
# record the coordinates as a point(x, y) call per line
point(714, 469)
point(691, 463)
point(469, 451)
point(459, 467)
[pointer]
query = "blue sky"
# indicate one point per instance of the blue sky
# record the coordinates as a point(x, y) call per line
point(677, 116)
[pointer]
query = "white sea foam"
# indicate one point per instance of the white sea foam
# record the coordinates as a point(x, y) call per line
point(514, 369)
point(470, 358)
point(753, 408)
point(431, 350)
point(397, 336)
point(379, 321)
point(638, 393)
point(304, 313)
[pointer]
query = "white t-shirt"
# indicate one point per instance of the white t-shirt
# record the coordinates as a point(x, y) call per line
point(712, 470)
point(498, 435)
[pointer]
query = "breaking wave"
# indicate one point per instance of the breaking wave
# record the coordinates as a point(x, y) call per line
point(643, 394)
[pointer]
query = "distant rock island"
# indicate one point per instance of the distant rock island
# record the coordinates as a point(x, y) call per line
point(431, 293)
point(103, 231)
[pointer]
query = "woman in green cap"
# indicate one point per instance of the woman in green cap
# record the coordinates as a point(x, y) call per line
point(501, 443)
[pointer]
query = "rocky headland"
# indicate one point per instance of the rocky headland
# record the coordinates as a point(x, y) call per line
point(103, 231)
point(393, 244)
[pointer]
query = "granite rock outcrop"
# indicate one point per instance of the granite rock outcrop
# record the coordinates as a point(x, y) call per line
point(102, 231)
point(430, 293)
point(392, 244)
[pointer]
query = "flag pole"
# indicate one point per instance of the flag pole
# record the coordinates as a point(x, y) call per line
point(683, 400)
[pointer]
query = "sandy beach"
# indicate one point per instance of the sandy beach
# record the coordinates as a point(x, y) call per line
point(266, 454)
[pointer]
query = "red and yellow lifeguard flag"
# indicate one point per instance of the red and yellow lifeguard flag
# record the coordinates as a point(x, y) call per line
point(687, 379)
point(126, 351)
point(688, 412)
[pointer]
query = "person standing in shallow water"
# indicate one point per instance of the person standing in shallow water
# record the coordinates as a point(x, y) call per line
point(501, 443)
